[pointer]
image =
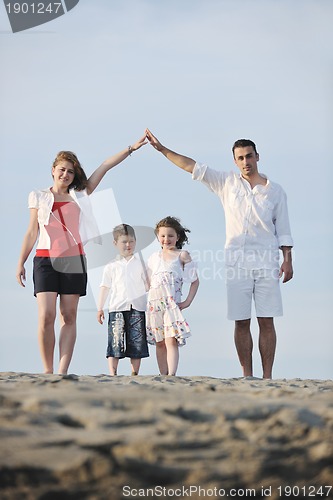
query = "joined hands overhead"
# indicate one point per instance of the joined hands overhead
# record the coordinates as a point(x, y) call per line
point(153, 140)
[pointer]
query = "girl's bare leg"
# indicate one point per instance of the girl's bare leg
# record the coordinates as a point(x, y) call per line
point(68, 313)
point(46, 302)
point(172, 355)
point(161, 355)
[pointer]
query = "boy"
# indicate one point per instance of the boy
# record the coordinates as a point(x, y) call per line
point(125, 279)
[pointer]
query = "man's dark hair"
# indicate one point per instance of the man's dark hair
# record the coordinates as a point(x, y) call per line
point(244, 143)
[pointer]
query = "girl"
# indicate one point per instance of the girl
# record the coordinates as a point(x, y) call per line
point(168, 269)
point(62, 217)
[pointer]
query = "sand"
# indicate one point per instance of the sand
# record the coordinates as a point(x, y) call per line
point(102, 437)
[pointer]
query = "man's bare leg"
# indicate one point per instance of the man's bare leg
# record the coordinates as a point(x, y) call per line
point(244, 345)
point(267, 345)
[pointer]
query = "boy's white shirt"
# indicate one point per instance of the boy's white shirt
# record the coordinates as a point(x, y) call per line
point(126, 282)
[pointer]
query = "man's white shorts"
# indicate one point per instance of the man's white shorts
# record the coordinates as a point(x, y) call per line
point(260, 284)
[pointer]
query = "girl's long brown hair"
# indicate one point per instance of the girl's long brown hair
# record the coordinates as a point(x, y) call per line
point(176, 225)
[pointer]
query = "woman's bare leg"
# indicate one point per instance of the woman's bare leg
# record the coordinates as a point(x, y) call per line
point(68, 313)
point(47, 303)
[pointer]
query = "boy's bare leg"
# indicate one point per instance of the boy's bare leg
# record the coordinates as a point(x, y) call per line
point(135, 364)
point(113, 365)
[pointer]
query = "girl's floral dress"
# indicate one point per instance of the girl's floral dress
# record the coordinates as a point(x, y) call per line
point(164, 318)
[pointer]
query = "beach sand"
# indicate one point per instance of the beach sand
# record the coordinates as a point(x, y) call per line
point(102, 437)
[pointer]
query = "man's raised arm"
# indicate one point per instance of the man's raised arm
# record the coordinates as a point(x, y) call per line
point(181, 161)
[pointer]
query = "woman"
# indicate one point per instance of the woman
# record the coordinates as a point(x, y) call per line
point(62, 218)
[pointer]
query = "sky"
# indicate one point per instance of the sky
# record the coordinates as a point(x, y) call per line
point(200, 74)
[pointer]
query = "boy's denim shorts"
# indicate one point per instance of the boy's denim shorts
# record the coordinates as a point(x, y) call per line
point(127, 335)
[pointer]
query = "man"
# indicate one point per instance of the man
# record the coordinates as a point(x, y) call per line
point(257, 226)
